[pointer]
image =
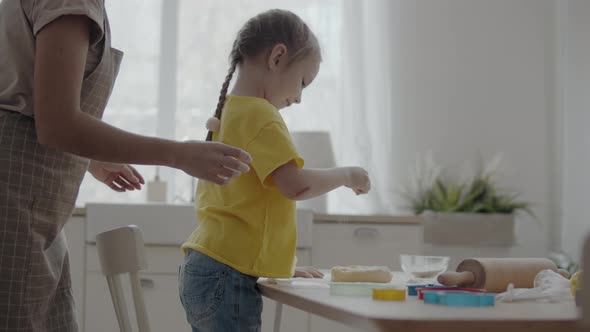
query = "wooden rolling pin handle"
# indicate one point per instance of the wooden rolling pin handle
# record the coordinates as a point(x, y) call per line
point(456, 278)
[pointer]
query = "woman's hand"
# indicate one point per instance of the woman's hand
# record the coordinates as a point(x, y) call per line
point(307, 272)
point(212, 161)
point(119, 177)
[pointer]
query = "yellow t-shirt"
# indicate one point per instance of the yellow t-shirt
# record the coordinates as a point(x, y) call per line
point(248, 224)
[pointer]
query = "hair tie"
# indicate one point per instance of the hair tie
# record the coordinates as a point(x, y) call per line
point(213, 124)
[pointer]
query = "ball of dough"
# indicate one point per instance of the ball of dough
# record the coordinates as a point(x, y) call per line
point(356, 273)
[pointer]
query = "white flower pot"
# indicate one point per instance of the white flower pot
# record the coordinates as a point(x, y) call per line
point(467, 235)
point(468, 229)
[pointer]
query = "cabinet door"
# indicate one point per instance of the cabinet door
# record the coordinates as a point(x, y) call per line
point(160, 291)
point(74, 231)
point(292, 319)
point(320, 324)
point(364, 244)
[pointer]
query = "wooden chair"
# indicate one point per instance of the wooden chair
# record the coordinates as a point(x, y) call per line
point(121, 251)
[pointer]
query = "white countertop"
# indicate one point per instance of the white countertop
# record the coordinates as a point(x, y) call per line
point(168, 224)
point(80, 211)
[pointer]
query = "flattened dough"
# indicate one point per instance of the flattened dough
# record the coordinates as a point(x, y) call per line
point(355, 273)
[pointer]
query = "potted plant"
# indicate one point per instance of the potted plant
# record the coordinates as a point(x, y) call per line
point(463, 211)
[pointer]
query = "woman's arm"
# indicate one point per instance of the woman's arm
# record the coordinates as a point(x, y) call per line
point(61, 50)
point(301, 184)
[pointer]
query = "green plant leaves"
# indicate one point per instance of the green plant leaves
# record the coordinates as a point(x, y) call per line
point(477, 195)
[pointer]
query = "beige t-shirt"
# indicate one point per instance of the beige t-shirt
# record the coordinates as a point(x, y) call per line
point(20, 21)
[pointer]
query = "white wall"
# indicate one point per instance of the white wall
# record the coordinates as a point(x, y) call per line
point(477, 76)
point(576, 123)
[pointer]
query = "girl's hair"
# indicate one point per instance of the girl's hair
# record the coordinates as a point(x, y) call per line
point(262, 32)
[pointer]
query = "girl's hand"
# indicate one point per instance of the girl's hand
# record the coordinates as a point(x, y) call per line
point(119, 177)
point(212, 161)
point(358, 180)
point(307, 272)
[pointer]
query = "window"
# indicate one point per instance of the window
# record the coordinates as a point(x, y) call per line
point(135, 26)
point(201, 33)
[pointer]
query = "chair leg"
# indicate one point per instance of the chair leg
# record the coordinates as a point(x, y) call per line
point(119, 303)
point(278, 314)
point(140, 311)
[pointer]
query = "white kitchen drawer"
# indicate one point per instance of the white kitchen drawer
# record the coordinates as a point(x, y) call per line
point(161, 224)
point(166, 259)
point(165, 313)
point(160, 259)
point(364, 244)
point(165, 224)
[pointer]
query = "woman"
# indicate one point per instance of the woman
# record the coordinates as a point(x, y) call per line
point(57, 70)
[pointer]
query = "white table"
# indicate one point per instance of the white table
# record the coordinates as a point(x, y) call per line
point(413, 315)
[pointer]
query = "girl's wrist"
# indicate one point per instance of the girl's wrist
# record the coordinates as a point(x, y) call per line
point(345, 176)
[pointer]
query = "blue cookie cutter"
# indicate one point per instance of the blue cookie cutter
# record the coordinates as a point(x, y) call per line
point(413, 289)
point(460, 299)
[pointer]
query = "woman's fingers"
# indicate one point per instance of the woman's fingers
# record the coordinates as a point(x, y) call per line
point(236, 153)
point(110, 181)
point(134, 181)
point(212, 161)
point(137, 174)
point(117, 182)
point(229, 168)
point(219, 180)
point(235, 164)
point(227, 173)
point(126, 172)
point(123, 183)
point(116, 188)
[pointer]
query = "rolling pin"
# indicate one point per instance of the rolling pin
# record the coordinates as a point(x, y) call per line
point(495, 274)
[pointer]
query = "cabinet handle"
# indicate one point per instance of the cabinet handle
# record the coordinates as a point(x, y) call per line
point(366, 233)
point(146, 283)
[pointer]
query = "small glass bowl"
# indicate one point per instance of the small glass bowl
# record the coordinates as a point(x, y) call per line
point(424, 266)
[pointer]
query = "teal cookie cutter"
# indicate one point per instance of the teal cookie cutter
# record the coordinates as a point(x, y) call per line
point(460, 299)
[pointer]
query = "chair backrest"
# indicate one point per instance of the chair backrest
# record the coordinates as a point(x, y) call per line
point(120, 251)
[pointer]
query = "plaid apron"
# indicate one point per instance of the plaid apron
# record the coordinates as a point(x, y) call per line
point(38, 189)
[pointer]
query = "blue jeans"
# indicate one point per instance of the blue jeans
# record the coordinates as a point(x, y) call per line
point(217, 297)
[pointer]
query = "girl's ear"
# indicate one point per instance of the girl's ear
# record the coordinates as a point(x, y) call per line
point(278, 56)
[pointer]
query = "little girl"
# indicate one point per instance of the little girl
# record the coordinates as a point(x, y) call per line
point(247, 229)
